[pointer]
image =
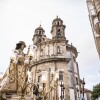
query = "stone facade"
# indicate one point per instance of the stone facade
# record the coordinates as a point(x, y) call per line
point(50, 54)
point(56, 53)
point(94, 17)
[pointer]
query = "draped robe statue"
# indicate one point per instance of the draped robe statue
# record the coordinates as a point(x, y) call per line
point(20, 68)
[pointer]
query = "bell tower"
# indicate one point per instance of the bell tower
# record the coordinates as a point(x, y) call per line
point(58, 29)
point(39, 35)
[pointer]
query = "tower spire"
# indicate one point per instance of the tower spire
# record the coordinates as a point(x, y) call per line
point(58, 29)
point(40, 23)
point(39, 35)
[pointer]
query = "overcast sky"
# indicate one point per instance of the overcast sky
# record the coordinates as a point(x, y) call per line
point(19, 18)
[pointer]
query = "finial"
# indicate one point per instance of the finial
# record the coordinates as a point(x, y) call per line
point(40, 23)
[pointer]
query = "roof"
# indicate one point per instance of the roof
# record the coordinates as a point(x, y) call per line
point(57, 19)
point(39, 28)
point(85, 90)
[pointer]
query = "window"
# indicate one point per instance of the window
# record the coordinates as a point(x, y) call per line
point(61, 75)
point(39, 32)
point(58, 49)
point(58, 33)
point(76, 81)
point(57, 23)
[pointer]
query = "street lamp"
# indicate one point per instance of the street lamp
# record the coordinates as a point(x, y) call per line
point(83, 83)
point(62, 91)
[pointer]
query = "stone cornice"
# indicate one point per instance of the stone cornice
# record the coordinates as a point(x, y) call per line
point(71, 87)
point(50, 60)
point(52, 42)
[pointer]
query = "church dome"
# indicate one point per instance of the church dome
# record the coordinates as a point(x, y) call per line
point(57, 21)
point(39, 35)
point(39, 30)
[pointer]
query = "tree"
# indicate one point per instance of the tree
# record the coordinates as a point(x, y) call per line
point(96, 91)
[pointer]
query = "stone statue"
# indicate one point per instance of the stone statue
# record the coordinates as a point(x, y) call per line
point(19, 52)
point(21, 68)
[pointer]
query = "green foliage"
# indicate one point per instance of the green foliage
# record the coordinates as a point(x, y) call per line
point(96, 91)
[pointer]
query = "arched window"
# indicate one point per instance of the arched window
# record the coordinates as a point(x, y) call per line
point(39, 32)
point(57, 23)
point(58, 49)
point(76, 81)
point(58, 33)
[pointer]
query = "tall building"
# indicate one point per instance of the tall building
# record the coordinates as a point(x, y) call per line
point(94, 17)
point(51, 57)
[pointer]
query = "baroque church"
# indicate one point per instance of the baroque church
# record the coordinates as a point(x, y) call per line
point(56, 53)
point(50, 56)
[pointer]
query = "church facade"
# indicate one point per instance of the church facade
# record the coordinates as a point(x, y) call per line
point(50, 56)
point(56, 54)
